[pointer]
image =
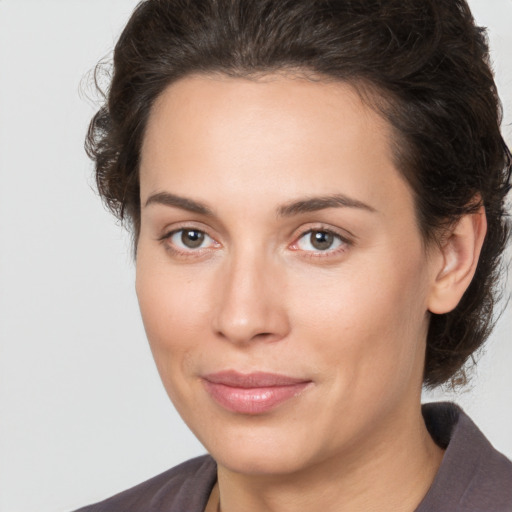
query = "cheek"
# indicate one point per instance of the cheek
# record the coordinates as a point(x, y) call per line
point(367, 322)
point(174, 309)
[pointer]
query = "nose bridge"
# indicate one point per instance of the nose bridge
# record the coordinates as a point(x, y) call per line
point(248, 305)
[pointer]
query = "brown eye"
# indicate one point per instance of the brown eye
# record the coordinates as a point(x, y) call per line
point(192, 238)
point(189, 239)
point(320, 240)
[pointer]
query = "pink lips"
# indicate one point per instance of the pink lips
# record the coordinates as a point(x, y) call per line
point(252, 393)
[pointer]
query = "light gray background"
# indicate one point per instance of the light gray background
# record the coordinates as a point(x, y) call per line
point(82, 412)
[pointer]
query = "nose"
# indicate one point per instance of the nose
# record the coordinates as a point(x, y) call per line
point(250, 302)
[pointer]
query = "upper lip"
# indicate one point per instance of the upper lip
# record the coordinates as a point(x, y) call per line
point(252, 380)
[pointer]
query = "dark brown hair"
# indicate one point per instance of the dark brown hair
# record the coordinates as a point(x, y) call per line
point(426, 66)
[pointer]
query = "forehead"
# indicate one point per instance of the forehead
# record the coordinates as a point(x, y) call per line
point(308, 137)
point(274, 100)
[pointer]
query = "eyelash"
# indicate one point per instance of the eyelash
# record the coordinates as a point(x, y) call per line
point(343, 241)
point(169, 246)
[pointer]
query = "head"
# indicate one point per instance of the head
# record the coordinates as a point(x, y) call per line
point(412, 82)
point(424, 67)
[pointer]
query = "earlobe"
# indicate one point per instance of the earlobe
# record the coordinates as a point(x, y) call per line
point(459, 255)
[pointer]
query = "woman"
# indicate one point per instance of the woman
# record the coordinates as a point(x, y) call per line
point(316, 192)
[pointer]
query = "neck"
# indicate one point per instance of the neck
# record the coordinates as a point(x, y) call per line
point(389, 471)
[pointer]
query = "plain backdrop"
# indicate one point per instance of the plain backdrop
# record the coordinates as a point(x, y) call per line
point(82, 412)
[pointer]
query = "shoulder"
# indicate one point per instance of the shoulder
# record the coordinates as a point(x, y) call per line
point(473, 476)
point(184, 487)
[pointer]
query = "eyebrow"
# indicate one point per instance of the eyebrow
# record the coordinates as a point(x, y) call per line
point(308, 204)
point(314, 204)
point(167, 199)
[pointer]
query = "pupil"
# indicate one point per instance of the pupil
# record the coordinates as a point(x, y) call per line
point(192, 239)
point(321, 240)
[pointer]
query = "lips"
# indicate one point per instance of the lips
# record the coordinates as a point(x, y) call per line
point(253, 393)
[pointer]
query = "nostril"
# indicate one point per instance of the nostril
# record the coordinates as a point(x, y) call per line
point(266, 336)
point(247, 338)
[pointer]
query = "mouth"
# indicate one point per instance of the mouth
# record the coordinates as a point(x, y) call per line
point(252, 393)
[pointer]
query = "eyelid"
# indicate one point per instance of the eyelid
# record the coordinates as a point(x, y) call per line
point(345, 237)
point(173, 228)
point(178, 251)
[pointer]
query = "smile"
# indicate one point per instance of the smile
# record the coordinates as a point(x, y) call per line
point(254, 393)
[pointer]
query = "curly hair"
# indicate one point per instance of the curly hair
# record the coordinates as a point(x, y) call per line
point(423, 65)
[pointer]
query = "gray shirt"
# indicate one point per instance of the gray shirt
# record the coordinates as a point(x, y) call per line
point(473, 476)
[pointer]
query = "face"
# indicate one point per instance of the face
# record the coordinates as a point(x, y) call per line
point(281, 274)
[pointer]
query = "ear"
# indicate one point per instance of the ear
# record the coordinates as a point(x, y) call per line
point(456, 262)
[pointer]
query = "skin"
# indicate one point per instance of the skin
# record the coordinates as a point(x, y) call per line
point(257, 295)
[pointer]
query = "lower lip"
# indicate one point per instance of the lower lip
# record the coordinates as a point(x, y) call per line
point(252, 400)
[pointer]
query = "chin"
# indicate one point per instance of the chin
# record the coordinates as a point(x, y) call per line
point(256, 460)
point(257, 448)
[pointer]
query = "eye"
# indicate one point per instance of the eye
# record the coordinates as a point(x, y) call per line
point(319, 240)
point(189, 239)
